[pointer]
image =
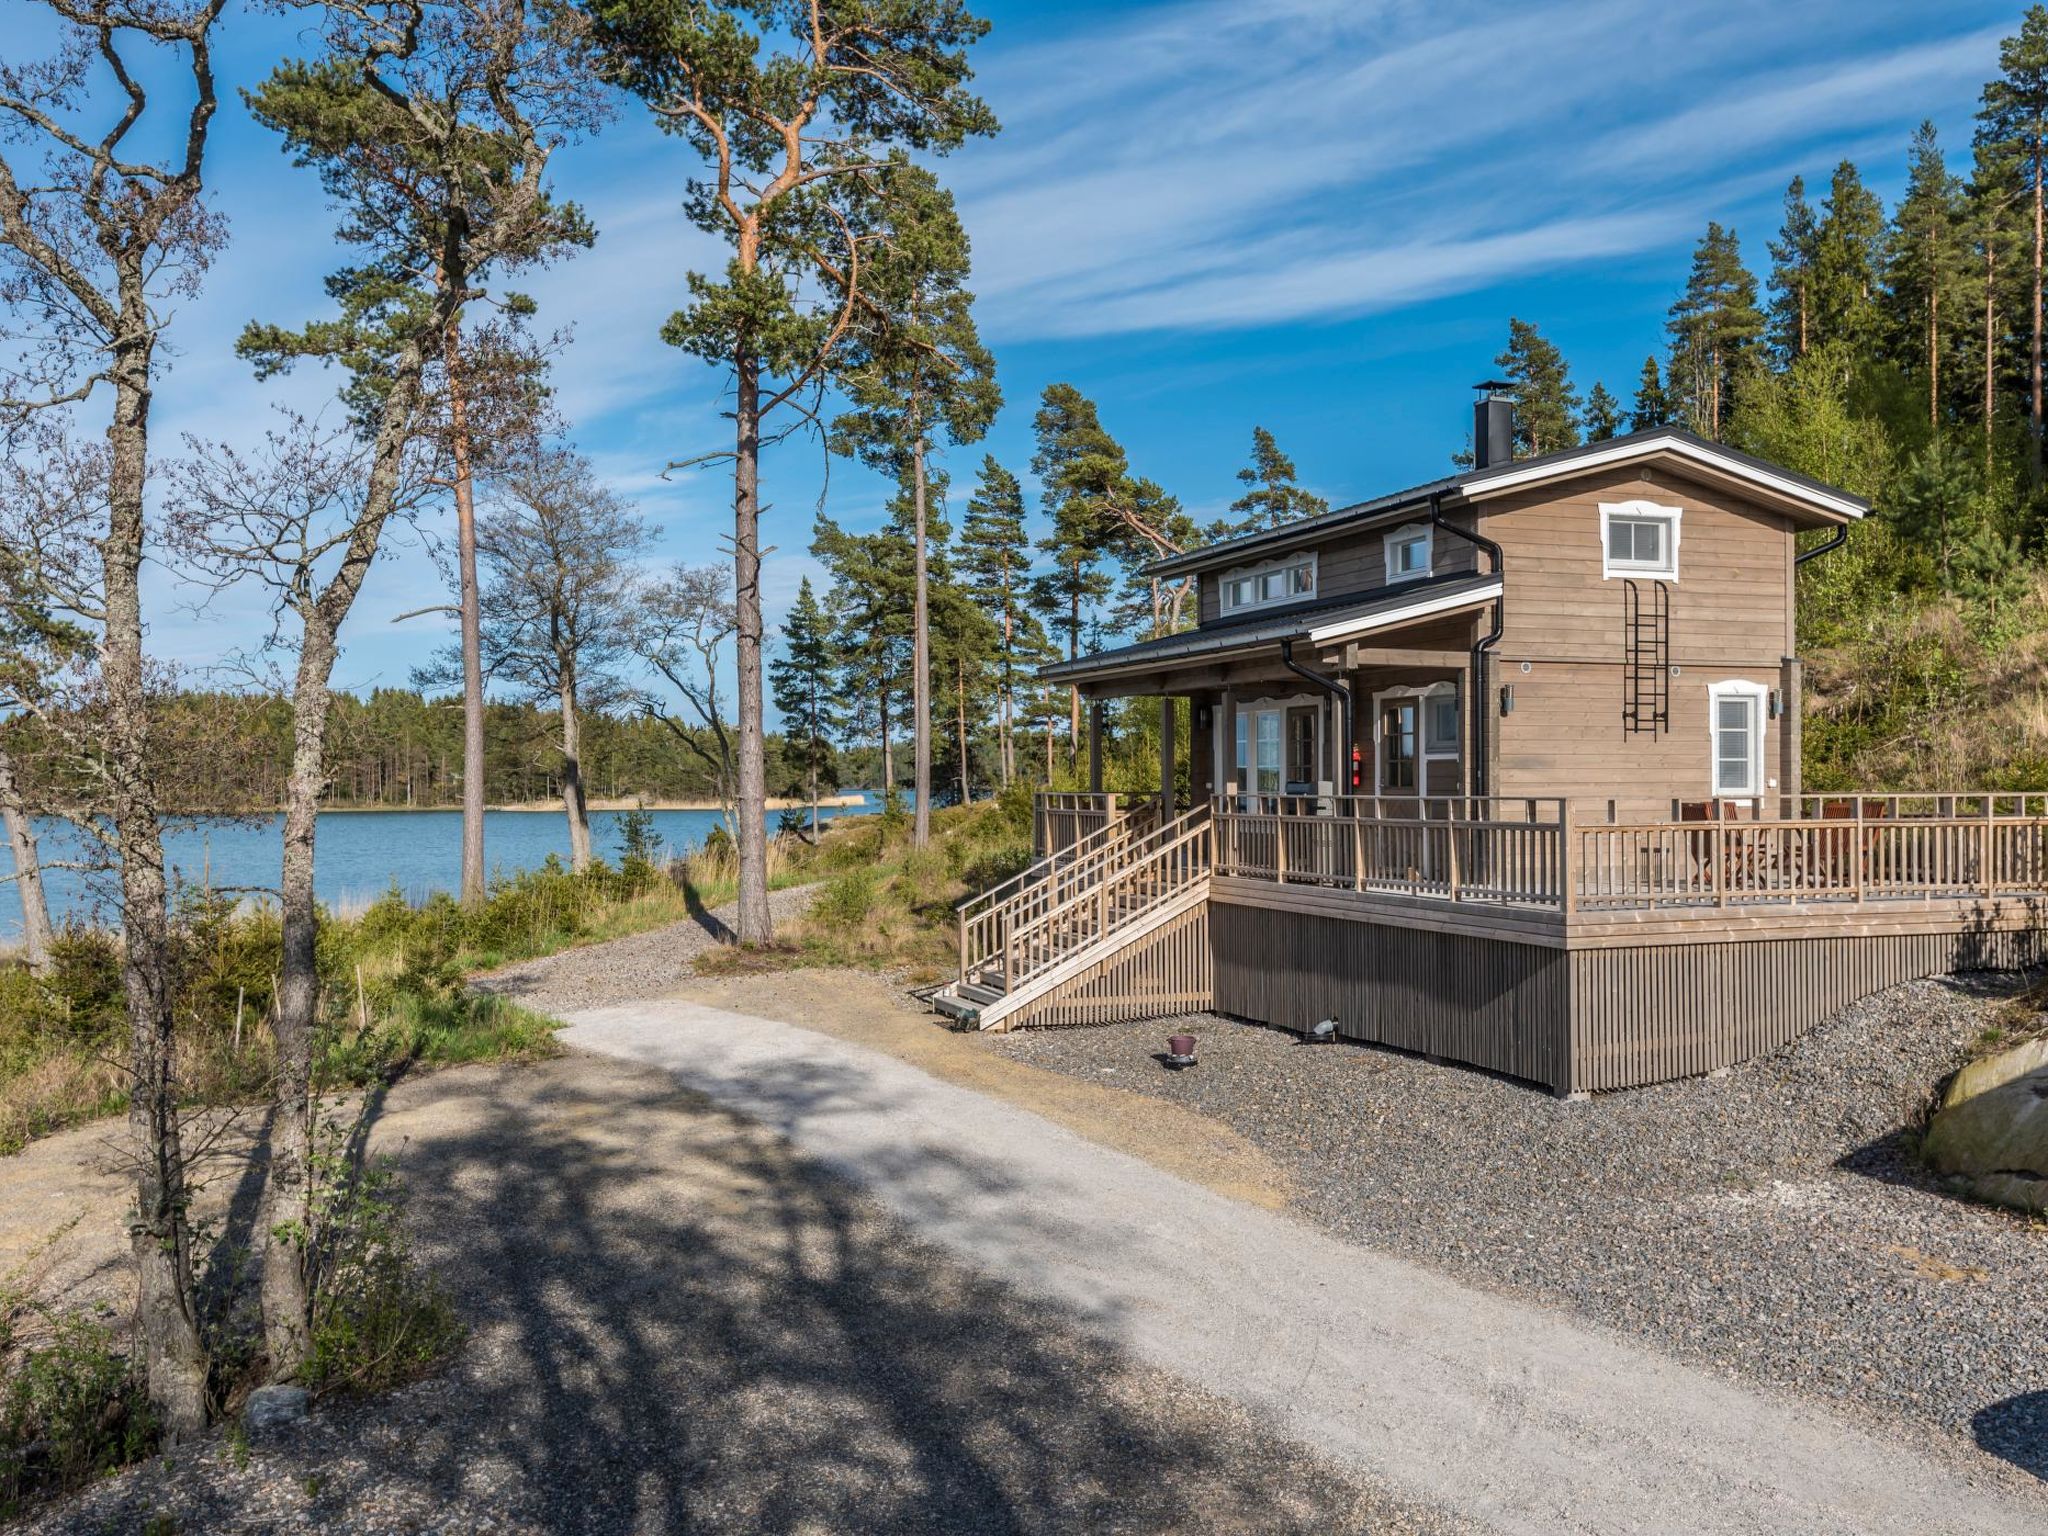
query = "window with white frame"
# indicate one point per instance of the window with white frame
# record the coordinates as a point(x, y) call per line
point(1639, 538)
point(1288, 580)
point(1441, 722)
point(1735, 718)
point(1408, 552)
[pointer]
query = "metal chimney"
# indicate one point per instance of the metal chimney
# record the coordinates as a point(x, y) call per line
point(1493, 424)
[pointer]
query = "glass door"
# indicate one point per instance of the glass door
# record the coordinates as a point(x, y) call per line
point(1398, 773)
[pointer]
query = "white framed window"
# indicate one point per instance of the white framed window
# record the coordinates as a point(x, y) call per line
point(1735, 727)
point(1408, 552)
point(1290, 579)
point(1639, 538)
point(1440, 719)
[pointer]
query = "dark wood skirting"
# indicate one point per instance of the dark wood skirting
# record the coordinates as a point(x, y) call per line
point(1164, 972)
point(1594, 1004)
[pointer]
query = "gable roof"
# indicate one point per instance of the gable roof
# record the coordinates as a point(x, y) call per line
point(1796, 493)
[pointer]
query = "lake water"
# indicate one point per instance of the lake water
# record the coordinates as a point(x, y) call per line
point(361, 854)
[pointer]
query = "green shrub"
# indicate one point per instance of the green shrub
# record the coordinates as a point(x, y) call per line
point(378, 1319)
point(847, 898)
point(70, 1410)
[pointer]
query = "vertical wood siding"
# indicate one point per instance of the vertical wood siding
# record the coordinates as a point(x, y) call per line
point(1168, 971)
point(1491, 1004)
point(1649, 1014)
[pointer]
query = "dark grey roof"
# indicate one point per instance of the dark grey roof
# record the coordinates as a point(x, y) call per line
point(1364, 514)
point(1259, 629)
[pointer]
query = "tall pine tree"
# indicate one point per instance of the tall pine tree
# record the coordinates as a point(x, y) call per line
point(1929, 266)
point(1714, 328)
point(1847, 260)
point(1546, 405)
point(801, 679)
point(994, 553)
point(1602, 414)
point(1791, 282)
point(1271, 496)
point(1652, 406)
point(2013, 123)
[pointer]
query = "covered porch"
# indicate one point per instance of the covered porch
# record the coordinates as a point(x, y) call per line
point(1372, 698)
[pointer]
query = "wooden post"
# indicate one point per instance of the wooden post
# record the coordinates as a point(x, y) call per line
point(1167, 725)
point(1862, 850)
point(1279, 847)
point(1567, 864)
point(1094, 746)
point(963, 946)
point(1985, 872)
point(1451, 840)
point(1357, 848)
point(1720, 847)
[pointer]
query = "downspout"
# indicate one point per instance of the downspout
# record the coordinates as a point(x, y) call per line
point(1342, 694)
point(1834, 540)
point(1480, 648)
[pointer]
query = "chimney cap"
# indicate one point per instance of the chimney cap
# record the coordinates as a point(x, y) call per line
point(1497, 387)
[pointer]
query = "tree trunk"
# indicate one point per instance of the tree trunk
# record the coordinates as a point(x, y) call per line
point(2034, 360)
point(167, 1325)
point(966, 789)
point(888, 750)
point(574, 806)
point(1007, 747)
point(472, 626)
point(920, 665)
point(28, 869)
point(1990, 344)
point(1073, 653)
point(756, 925)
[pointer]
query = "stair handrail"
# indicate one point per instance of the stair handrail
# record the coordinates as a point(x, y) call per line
point(1103, 837)
point(1193, 827)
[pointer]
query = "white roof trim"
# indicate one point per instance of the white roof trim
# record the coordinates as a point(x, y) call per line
point(1684, 448)
point(1386, 618)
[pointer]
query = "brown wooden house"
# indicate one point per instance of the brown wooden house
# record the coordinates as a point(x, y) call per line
point(1504, 768)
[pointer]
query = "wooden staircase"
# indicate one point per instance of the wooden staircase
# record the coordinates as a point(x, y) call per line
point(1114, 926)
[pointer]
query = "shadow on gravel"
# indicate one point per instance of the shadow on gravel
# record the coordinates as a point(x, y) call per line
point(677, 1325)
point(2016, 1430)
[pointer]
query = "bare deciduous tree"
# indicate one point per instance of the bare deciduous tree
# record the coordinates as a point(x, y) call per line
point(98, 238)
point(681, 627)
point(558, 602)
point(303, 517)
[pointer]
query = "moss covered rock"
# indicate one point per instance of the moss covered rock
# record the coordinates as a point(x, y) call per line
point(1997, 1142)
point(1988, 1072)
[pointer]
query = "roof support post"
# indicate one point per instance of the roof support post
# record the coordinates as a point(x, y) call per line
point(1168, 725)
point(1094, 745)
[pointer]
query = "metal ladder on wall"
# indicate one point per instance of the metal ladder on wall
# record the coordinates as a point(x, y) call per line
point(1646, 650)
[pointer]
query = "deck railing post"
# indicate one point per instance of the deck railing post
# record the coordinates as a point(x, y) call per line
point(1280, 849)
point(1720, 847)
point(1985, 872)
point(1567, 862)
point(1451, 840)
point(1861, 853)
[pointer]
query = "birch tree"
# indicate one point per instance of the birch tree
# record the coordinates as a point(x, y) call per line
point(102, 228)
point(792, 110)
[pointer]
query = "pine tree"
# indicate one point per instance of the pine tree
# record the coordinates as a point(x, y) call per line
point(995, 558)
point(1847, 260)
point(1714, 327)
point(870, 608)
point(1652, 407)
point(2013, 121)
point(1546, 405)
point(1996, 193)
point(917, 377)
point(1602, 414)
point(1271, 496)
point(1929, 265)
point(801, 680)
point(1792, 258)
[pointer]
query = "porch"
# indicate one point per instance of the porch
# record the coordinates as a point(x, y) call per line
point(1552, 939)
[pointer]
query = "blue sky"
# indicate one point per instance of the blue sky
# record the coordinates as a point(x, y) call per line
point(1312, 215)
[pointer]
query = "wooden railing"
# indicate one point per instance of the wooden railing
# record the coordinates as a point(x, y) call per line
point(1061, 819)
point(1069, 866)
point(1042, 923)
point(1848, 850)
point(1458, 848)
point(1850, 860)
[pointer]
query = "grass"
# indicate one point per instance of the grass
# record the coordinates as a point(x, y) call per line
point(884, 905)
point(393, 977)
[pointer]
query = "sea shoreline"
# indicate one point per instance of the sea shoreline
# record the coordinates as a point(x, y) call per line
point(554, 807)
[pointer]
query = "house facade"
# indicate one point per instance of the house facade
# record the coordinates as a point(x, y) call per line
point(1504, 769)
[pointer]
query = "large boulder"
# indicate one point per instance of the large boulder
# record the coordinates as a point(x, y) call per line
point(1988, 1072)
point(1996, 1142)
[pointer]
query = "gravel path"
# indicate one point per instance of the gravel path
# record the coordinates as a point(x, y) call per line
point(1509, 1414)
point(621, 970)
point(1769, 1225)
point(677, 1323)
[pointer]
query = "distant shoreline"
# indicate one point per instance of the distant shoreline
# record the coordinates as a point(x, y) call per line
point(554, 807)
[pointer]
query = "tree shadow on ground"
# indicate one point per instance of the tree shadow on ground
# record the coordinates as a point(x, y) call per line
point(2016, 1430)
point(677, 1324)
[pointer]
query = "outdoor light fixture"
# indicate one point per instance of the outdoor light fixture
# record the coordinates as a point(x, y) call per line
point(1322, 1033)
point(1180, 1051)
point(1777, 704)
point(1507, 698)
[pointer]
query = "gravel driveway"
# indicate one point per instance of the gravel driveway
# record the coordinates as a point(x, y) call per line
point(678, 1324)
point(1769, 1225)
point(620, 970)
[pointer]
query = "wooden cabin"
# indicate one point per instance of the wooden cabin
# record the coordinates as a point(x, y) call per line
point(1504, 768)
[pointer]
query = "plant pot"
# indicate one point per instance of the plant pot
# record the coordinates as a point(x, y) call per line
point(1180, 1045)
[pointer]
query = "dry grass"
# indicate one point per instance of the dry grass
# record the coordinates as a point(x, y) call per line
point(56, 1091)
